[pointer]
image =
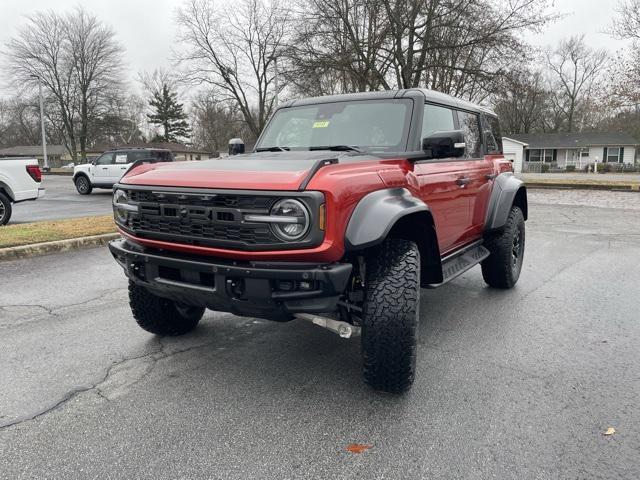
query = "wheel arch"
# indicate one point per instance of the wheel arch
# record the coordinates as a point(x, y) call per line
point(6, 189)
point(81, 174)
point(508, 191)
point(396, 213)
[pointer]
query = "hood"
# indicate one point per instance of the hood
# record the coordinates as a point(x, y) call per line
point(253, 171)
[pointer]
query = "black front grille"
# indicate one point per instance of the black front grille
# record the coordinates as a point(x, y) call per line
point(243, 202)
point(209, 219)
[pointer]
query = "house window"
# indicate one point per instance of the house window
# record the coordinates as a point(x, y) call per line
point(613, 154)
point(584, 153)
point(541, 155)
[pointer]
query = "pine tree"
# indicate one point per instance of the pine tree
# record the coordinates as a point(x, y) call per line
point(169, 114)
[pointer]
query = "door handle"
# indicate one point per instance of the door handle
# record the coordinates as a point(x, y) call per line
point(462, 181)
point(105, 168)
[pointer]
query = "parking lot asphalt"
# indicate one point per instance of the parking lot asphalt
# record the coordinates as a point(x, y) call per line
point(516, 384)
point(62, 201)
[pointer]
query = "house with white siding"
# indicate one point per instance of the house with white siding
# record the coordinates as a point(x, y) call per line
point(559, 150)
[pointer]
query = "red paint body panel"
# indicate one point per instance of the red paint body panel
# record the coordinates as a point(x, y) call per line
point(458, 211)
point(172, 175)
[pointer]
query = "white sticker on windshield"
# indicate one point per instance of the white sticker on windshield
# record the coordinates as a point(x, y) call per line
point(121, 158)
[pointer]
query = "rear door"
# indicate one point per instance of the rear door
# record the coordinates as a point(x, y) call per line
point(441, 183)
point(121, 163)
point(478, 169)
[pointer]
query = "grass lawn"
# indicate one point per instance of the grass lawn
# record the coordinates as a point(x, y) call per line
point(38, 232)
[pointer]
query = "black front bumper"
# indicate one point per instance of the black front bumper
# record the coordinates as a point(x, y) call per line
point(272, 290)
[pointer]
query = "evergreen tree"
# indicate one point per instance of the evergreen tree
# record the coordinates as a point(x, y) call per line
point(169, 114)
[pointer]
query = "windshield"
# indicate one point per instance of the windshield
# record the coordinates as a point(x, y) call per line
point(369, 125)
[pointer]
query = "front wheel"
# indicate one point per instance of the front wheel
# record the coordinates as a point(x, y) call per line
point(83, 185)
point(390, 316)
point(160, 315)
point(5, 209)
point(502, 267)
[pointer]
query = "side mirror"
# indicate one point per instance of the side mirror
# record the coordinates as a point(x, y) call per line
point(236, 146)
point(445, 144)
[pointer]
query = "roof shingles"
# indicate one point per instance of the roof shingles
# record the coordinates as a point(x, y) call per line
point(574, 140)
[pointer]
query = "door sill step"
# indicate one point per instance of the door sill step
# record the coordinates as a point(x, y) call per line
point(459, 262)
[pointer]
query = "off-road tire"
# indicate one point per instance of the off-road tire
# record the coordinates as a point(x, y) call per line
point(160, 315)
point(501, 269)
point(5, 209)
point(83, 185)
point(390, 316)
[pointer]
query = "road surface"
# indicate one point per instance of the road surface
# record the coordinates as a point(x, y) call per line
point(511, 384)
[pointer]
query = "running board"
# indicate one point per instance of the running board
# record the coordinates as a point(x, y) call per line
point(459, 262)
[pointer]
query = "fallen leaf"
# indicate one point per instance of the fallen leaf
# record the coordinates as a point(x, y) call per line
point(358, 447)
point(610, 431)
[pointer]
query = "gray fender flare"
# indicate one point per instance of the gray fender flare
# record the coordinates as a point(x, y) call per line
point(505, 190)
point(376, 214)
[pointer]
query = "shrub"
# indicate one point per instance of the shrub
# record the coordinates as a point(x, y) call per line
point(570, 168)
point(544, 168)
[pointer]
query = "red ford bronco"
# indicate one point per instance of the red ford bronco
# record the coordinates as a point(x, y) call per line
point(346, 208)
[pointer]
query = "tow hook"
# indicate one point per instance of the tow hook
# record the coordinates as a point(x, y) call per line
point(344, 329)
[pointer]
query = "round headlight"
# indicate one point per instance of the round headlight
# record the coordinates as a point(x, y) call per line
point(120, 199)
point(295, 219)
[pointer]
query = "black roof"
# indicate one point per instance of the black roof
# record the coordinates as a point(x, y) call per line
point(428, 95)
point(574, 140)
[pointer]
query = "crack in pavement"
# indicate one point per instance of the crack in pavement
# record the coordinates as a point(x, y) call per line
point(156, 355)
point(53, 311)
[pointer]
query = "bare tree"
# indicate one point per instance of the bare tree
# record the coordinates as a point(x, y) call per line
point(454, 46)
point(522, 102)
point(626, 25)
point(574, 70)
point(97, 64)
point(153, 82)
point(78, 61)
point(215, 122)
point(234, 50)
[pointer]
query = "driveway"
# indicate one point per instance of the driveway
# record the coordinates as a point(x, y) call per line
point(511, 384)
point(62, 201)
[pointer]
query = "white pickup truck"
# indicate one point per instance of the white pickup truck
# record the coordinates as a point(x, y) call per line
point(20, 180)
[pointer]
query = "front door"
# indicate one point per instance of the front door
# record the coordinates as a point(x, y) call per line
point(443, 183)
point(102, 170)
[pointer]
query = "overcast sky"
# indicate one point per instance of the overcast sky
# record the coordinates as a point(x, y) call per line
point(146, 27)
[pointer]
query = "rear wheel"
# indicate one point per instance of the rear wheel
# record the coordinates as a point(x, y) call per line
point(502, 267)
point(390, 315)
point(83, 185)
point(5, 209)
point(160, 315)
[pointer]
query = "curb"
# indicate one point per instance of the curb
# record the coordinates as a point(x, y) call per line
point(585, 186)
point(37, 249)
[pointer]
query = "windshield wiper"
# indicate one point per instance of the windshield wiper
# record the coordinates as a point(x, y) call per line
point(273, 149)
point(337, 148)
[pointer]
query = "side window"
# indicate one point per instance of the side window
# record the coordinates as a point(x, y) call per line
point(121, 158)
point(436, 119)
point(492, 134)
point(470, 126)
point(137, 155)
point(105, 159)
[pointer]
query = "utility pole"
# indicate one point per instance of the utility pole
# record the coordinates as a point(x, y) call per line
point(44, 135)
